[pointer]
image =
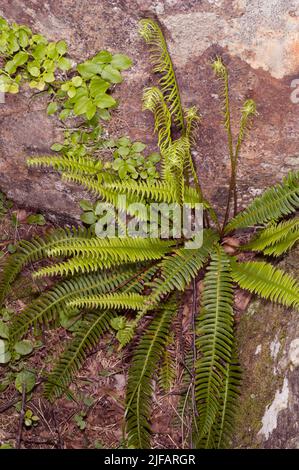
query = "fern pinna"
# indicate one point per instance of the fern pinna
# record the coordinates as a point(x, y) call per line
point(142, 277)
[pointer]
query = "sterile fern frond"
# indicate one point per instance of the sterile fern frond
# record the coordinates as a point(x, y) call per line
point(47, 308)
point(268, 282)
point(214, 343)
point(276, 202)
point(229, 393)
point(91, 329)
point(34, 250)
point(153, 36)
point(167, 372)
point(140, 387)
point(130, 301)
point(83, 165)
point(276, 238)
point(178, 269)
point(129, 249)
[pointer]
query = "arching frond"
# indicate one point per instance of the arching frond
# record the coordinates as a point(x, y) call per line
point(214, 343)
point(179, 268)
point(278, 201)
point(140, 387)
point(276, 239)
point(75, 164)
point(34, 250)
point(268, 282)
point(130, 301)
point(91, 329)
point(47, 308)
point(153, 36)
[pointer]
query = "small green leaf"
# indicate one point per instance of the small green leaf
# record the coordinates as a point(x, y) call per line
point(77, 81)
point(86, 205)
point(49, 77)
point(102, 57)
point(56, 147)
point(123, 151)
point(23, 347)
point(39, 52)
point(4, 353)
point(25, 378)
point(104, 114)
point(23, 38)
point(121, 61)
point(64, 114)
point(20, 58)
point(90, 110)
point(88, 69)
point(81, 105)
point(88, 218)
point(123, 141)
point(10, 67)
point(64, 63)
point(104, 101)
point(4, 330)
point(138, 147)
point(111, 74)
point(34, 71)
point(118, 323)
point(11, 248)
point(71, 92)
point(98, 86)
point(36, 219)
point(61, 47)
point(52, 108)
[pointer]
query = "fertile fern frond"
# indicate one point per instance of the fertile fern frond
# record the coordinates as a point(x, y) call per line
point(140, 387)
point(153, 101)
point(268, 282)
point(175, 159)
point(83, 165)
point(178, 269)
point(47, 308)
point(214, 343)
point(153, 36)
point(276, 202)
point(276, 237)
point(130, 301)
point(91, 329)
point(34, 250)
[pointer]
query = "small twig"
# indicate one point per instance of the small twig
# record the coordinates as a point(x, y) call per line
point(21, 419)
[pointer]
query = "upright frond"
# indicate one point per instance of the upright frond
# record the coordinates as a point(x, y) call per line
point(162, 62)
point(214, 343)
point(268, 282)
point(278, 201)
point(140, 387)
point(153, 101)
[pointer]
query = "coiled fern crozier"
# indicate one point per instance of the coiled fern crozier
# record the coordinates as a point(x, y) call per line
point(145, 278)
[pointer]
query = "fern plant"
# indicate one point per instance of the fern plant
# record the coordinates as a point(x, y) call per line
point(125, 282)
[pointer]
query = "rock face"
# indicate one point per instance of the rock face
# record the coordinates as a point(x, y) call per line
point(268, 336)
point(258, 39)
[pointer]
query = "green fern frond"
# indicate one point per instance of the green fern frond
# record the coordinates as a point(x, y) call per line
point(276, 202)
point(80, 264)
point(34, 250)
point(91, 329)
point(167, 372)
point(162, 62)
point(268, 282)
point(229, 393)
point(47, 308)
point(214, 342)
point(153, 101)
point(283, 246)
point(276, 238)
point(130, 301)
point(129, 249)
point(178, 269)
point(159, 191)
point(83, 165)
point(140, 387)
